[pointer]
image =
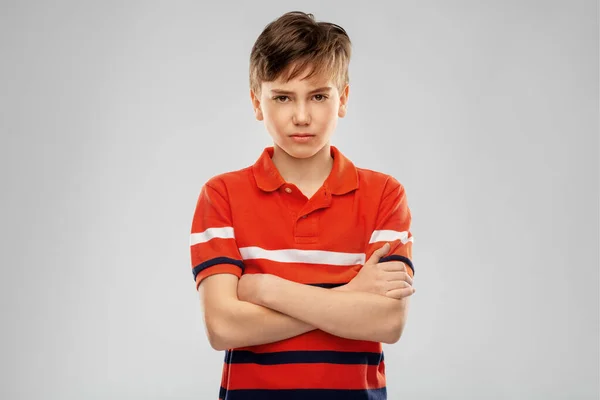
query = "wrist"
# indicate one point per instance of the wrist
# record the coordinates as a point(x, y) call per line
point(344, 288)
point(348, 287)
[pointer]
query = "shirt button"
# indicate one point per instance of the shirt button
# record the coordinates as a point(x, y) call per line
point(303, 217)
point(288, 190)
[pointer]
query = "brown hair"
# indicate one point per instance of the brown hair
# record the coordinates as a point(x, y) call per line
point(295, 41)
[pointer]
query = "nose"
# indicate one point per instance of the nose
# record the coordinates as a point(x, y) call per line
point(301, 115)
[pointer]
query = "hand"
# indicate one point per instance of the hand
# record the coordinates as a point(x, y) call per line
point(250, 287)
point(387, 279)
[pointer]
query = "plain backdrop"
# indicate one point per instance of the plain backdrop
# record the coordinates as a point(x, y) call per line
point(114, 113)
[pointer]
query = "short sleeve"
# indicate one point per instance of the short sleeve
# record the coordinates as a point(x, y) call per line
point(213, 248)
point(393, 225)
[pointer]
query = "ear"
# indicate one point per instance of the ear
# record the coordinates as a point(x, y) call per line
point(343, 101)
point(256, 106)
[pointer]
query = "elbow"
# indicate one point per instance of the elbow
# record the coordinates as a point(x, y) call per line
point(217, 342)
point(218, 334)
point(394, 332)
point(215, 337)
point(395, 324)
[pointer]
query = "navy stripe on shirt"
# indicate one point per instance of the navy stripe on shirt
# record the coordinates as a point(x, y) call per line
point(327, 285)
point(303, 394)
point(216, 261)
point(303, 357)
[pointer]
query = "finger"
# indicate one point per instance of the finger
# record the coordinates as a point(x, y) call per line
point(397, 276)
point(377, 254)
point(392, 266)
point(396, 285)
point(401, 293)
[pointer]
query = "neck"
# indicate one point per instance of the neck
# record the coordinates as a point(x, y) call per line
point(304, 171)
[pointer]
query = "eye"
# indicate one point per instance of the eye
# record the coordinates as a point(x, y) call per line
point(320, 97)
point(280, 99)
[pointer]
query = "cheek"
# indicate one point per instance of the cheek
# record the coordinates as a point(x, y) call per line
point(276, 118)
point(328, 115)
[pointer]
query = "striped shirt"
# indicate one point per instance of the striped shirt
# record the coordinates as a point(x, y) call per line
point(252, 221)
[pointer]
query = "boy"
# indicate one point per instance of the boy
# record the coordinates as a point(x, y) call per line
point(302, 260)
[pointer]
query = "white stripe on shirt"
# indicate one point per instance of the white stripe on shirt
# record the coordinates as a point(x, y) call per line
point(211, 233)
point(390, 236)
point(303, 256)
point(297, 255)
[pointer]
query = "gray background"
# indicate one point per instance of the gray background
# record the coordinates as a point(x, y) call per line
point(114, 114)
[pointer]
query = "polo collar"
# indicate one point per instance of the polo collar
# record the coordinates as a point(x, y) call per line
point(342, 179)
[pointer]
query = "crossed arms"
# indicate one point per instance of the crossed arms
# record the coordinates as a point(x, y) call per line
point(261, 308)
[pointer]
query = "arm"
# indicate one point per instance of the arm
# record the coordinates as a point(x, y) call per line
point(352, 315)
point(344, 313)
point(231, 323)
point(248, 311)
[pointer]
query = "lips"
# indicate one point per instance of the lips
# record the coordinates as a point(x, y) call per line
point(302, 137)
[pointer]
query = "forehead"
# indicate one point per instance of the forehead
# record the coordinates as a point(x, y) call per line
point(301, 80)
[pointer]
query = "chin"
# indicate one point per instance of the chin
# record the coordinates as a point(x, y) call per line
point(301, 151)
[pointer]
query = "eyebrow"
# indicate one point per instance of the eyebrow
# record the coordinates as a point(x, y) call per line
point(321, 89)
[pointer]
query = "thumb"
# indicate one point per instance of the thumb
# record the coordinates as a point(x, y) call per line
point(380, 252)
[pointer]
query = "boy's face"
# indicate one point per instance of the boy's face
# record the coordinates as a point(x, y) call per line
point(302, 114)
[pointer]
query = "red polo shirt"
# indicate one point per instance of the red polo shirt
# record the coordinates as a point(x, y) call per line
point(252, 221)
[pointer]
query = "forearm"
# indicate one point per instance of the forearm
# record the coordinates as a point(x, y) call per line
point(242, 324)
point(246, 324)
point(348, 314)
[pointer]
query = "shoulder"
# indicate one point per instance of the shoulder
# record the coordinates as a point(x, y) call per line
point(371, 181)
point(231, 181)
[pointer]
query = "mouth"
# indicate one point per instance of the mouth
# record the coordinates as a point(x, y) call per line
point(302, 137)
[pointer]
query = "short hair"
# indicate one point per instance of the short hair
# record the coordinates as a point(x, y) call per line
point(296, 41)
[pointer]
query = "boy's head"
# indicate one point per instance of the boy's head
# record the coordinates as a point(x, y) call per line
point(291, 63)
